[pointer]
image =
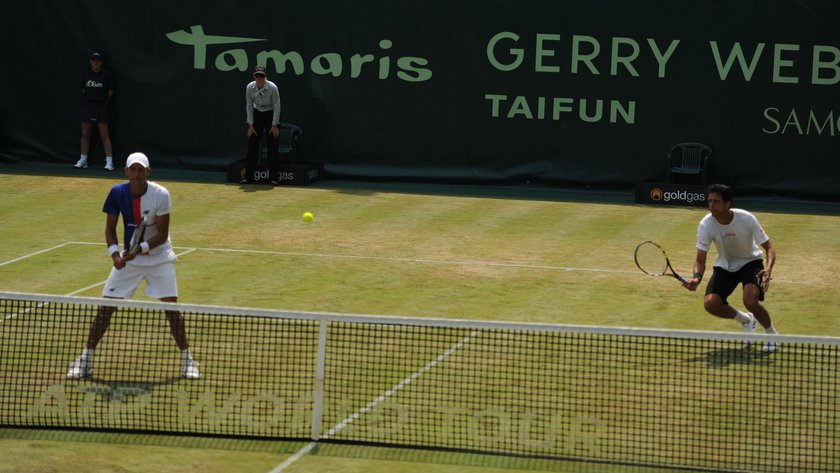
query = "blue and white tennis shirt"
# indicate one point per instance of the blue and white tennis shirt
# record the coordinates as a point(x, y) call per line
point(155, 201)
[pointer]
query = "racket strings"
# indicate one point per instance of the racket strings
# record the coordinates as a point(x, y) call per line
point(651, 259)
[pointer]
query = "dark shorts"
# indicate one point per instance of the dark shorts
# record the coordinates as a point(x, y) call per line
point(723, 282)
point(95, 112)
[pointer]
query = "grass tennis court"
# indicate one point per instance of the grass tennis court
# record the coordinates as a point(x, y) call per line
point(413, 254)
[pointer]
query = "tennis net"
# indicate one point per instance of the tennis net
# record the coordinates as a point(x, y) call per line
point(678, 399)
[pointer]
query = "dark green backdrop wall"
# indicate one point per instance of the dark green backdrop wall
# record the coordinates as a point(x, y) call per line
point(587, 92)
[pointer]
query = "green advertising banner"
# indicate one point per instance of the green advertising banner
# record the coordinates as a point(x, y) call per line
point(566, 92)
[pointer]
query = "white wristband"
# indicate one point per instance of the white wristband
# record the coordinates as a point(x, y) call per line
point(112, 249)
point(144, 247)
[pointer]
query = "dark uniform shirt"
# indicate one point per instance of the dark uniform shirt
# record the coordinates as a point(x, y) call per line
point(95, 86)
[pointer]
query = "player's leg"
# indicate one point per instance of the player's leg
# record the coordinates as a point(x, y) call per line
point(176, 325)
point(178, 328)
point(751, 302)
point(720, 287)
point(717, 306)
point(82, 367)
point(99, 325)
point(753, 295)
point(162, 283)
point(120, 285)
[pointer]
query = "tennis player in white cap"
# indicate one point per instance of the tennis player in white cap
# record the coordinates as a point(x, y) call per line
point(154, 261)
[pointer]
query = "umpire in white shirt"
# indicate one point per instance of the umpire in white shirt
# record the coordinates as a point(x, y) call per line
point(262, 108)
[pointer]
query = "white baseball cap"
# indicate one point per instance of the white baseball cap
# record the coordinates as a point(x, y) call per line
point(137, 158)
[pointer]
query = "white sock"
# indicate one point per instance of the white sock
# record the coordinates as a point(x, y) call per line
point(87, 353)
point(109, 159)
point(742, 317)
point(84, 157)
point(186, 355)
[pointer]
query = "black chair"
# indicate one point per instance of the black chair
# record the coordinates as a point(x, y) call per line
point(688, 159)
point(289, 137)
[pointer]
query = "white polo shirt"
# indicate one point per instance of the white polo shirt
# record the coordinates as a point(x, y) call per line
point(737, 243)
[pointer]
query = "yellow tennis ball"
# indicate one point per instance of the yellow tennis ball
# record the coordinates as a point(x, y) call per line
point(307, 217)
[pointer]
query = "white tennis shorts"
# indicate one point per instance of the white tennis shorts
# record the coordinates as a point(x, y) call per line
point(160, 280)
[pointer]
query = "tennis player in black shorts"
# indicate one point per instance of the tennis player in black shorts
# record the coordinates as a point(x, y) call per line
point(739, 239)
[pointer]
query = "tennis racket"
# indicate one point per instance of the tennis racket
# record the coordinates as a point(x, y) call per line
point(137, 237)
point(652, 260)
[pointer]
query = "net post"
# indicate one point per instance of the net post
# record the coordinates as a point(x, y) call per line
point(318, 388)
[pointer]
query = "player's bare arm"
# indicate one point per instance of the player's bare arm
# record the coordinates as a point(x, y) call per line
point(699, 270)
point(768, 269)
point(112, 240)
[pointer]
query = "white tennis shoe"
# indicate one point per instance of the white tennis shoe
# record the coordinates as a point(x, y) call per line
point(109, 165)
point(80, 369)
point(81, 163)
point(189, 369)
point(749, 327)
point(771, 347)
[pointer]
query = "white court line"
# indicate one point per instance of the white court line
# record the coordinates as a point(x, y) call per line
point(297, 456)
point(12, 316)
point(4, 263)
point(77, 291)
point(406, 260)
point(421, 260)
point(397, 387)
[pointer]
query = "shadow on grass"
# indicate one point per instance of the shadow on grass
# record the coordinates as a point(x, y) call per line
point(121, 389)
point(726, 357)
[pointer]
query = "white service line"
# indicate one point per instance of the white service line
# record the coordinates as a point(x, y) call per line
point(12, 316)
point(400, 259)
point(420, 260)
point(77, 291)
point(397, 387)
point(4, 263)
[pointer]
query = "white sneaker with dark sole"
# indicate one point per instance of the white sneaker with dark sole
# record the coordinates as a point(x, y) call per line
point(749, 327)
point(189, 370)
point(771, 347)
point(80, 164)
point(80, 369)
